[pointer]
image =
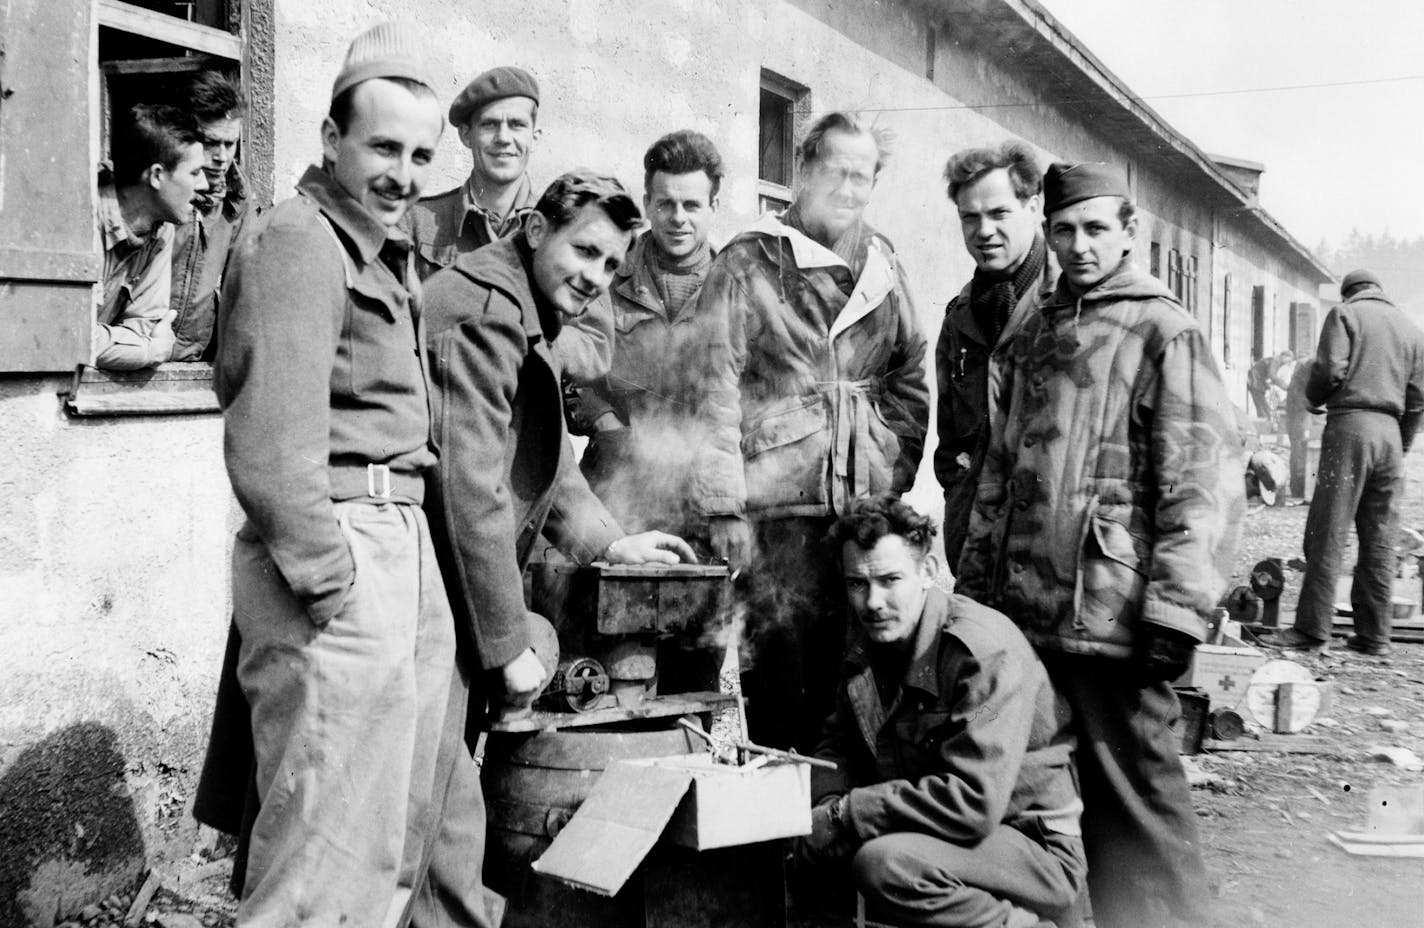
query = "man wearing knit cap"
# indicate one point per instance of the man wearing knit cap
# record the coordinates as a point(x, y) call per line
point(347, 643)
point(496, 116)
point(998, 193)
point(1105, 523)
point(1368, 373)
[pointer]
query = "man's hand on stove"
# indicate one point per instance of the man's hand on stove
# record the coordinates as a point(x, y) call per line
point(649, 548)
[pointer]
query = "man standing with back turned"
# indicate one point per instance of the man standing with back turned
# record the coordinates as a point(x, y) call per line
point(1104, 526)
point(347, 656)
point(1368, 373)
point(998, 193)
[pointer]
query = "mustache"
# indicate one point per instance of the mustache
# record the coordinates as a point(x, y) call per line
point(392, 189)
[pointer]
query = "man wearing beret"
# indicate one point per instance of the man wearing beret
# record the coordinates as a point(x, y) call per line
point(347, 643)
point(496, 116)
point(1104, 525)
point(1368, 373)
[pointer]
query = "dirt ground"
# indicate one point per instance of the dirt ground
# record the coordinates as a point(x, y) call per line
point(1265, 817)
point(1265, 825)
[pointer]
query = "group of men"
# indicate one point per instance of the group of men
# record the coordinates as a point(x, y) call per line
point(396, 375)
point(171, 204)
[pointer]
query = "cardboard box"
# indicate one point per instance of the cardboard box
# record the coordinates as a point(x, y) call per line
point(686, 800)
point(727, 805)
point(1222, 672)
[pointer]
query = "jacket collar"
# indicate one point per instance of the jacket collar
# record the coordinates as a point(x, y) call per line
point(1124, 283)
point(877, 279)
point(922, 672)
point(502, 265)
point(114, 230)
point(367, 234)
point(523, 200)
point(633, 279)
point(1373, 296)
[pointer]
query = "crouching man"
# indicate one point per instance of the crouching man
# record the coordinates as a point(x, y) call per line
point(954, 802)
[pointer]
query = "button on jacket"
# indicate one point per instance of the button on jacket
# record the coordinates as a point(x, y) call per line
point(816, 397)
point(319, 370)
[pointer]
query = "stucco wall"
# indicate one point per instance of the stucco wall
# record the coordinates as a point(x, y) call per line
point(113, 608)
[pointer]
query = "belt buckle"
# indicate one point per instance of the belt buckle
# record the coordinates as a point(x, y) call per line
point(378, 475)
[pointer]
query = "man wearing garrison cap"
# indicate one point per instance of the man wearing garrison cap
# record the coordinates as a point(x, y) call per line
point(344, 645)
point(496, 116)
point(1105, 524)
point(1368, 373)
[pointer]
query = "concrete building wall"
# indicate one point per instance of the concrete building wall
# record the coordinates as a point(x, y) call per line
point(113, 609)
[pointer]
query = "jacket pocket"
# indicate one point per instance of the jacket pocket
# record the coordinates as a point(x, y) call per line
point(437, 256)
point(785, 455)
point(1112, 576)
point(380, 346)
point(883, 453)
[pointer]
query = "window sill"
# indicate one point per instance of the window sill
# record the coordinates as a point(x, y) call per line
point(166, 390)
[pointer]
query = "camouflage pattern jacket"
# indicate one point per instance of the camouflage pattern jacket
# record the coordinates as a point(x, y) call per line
point(814, 397)
point(1112, 489)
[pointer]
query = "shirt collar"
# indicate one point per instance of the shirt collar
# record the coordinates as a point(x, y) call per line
point(922, 672)
point(522, 203)
point(367, 233)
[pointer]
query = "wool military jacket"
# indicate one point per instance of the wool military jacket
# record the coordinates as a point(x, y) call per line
point(973, 738)
point(815, 397)
point(202, 248)
point(507, 470)
point(1112, 489)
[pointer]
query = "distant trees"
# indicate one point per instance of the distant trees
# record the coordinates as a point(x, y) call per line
point(1398, 262)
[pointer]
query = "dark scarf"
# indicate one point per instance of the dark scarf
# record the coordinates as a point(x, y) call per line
point(992, 299)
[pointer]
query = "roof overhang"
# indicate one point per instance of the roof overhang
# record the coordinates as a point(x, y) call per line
point(1046, 55)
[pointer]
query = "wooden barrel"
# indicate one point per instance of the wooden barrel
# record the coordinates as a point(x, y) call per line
point(533, 783)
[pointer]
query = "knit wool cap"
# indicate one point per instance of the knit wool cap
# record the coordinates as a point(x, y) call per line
point(494, 84)
point(389, 49)
point(1358, 277)
point(1066, 184)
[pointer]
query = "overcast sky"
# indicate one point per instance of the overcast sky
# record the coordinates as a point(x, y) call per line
point(1336, 158)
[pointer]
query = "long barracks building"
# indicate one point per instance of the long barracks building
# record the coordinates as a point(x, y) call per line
point(118, 515)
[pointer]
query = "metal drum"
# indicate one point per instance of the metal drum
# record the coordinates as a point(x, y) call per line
point(533, 783)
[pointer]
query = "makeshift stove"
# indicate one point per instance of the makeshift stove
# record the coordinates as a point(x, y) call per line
point(628, 797)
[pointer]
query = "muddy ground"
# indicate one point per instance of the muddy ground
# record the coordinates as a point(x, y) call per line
point(1265, 817)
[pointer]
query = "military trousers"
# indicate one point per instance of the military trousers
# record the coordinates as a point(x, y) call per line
point(358, 730)
point(1145, 867)
point(1360, 480)
point(917, 880)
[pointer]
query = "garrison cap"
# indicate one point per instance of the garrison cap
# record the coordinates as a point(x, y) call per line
point(1358, 278)
point(494, 84)
point(1066, 184)
point(388, 49)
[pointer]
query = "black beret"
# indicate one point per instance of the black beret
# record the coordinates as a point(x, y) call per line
point(1066, 184)
point(494, 84)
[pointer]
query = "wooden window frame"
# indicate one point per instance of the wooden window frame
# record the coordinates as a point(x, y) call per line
point(771, 194)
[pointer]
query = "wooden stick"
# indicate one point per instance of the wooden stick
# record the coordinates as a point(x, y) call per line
point(779, 754)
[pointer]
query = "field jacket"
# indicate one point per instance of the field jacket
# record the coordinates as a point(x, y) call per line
point(507, 470)
point(202, 249)
point(974, 737)
point(1112, 489)
point(814, 397)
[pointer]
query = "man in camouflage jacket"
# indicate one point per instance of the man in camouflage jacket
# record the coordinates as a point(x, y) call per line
point(1104, 525)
